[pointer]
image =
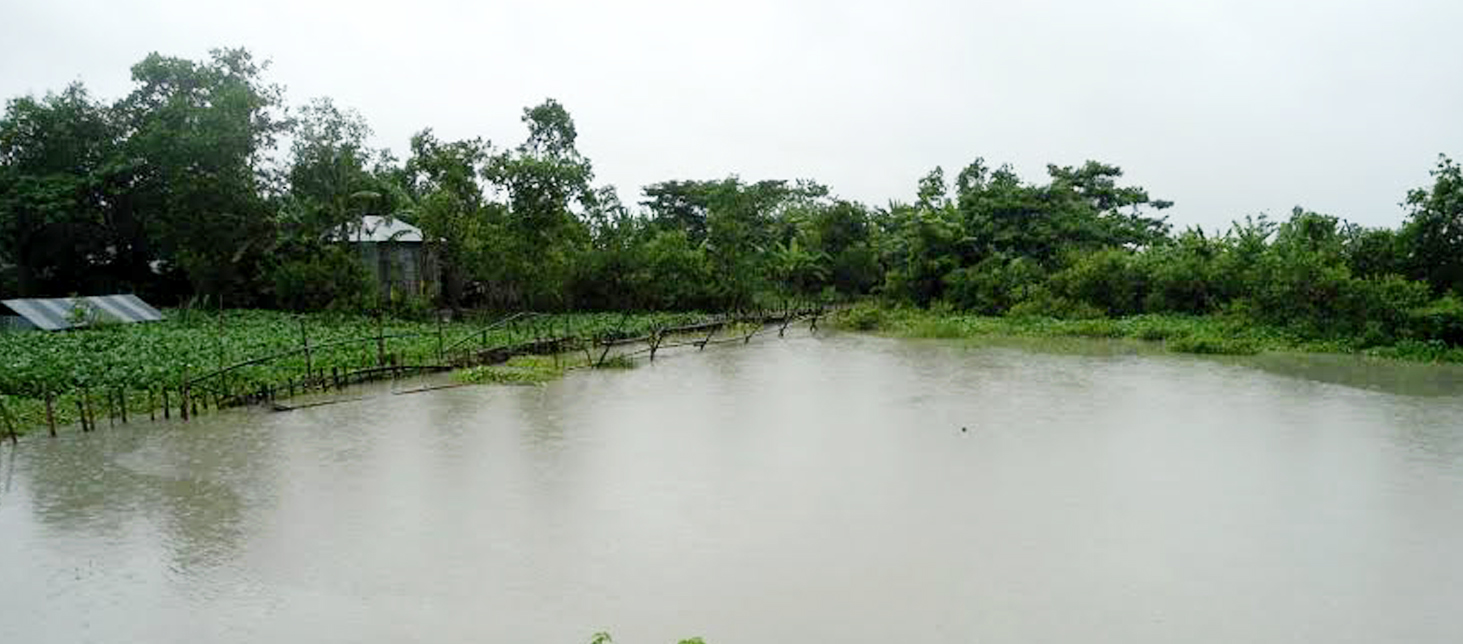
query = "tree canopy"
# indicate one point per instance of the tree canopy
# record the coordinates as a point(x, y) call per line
point(203, 181)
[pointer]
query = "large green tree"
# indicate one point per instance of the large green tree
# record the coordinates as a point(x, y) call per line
point(65, 218)
point(445, 199)
point(549, 186)
point(330, 178)
point(1433, 235)
point(201, 135)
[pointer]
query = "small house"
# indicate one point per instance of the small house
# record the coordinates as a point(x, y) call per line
point(394, 253)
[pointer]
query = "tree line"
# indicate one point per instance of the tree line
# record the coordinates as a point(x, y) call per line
point(203, 182)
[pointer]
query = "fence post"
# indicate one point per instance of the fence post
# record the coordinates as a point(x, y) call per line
point(9, 424)
point(91, 415)
point(183, 392)
point(51, 412)
point(381, 337)
point(441, 357)
point(305, 339)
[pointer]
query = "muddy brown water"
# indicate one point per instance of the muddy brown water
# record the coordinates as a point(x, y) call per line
point(812, 489)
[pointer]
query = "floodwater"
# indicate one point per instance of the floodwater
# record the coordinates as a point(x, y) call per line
point(809, 489)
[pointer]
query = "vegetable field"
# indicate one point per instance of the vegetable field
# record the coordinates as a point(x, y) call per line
point(135, 363)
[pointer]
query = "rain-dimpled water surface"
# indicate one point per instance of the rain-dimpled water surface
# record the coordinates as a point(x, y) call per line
point(809, 489)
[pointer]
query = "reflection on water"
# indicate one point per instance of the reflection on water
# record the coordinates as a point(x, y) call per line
point(813, 489)
point(1405, 378)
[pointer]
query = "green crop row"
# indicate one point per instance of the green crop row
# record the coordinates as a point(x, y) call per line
point(136, 362)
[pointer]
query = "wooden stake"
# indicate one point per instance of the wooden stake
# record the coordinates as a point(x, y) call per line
point(183, 393)
point(91, 413)
point(51, 413)
point(122, 397)
point(380, 337)
point(9, 423)
point(167, 405)
point(305, 340)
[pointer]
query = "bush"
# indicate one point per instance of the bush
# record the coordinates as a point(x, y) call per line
point(862, 318)
point(1182, 277)
point(994, 285)
point(1042, 303)
point(1379, 308)
point(332, 278)
point(1106, 280)
point(1095, 328)
point(1212, 345)
point(1440, 321)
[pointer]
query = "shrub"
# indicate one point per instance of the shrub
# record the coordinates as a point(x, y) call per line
point(332, 278)
point(862, 318)
point(1106, 280)
point(521, 370)
point(1441, 321)
point(1212, 345)
point(1042, 303)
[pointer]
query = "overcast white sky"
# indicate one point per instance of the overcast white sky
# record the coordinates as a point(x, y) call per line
point(1228, 107)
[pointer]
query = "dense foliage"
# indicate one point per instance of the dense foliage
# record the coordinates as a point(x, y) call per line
point(181, 189)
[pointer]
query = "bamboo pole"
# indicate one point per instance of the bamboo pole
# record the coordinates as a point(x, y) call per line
point(441, 356)
point(9, 423)
point(305, 340)
point(91, 414)
point(380, 337)
point(51, 412)
point(183, 393)
point(80, 412)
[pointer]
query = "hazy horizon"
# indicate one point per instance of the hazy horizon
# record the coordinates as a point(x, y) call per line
point(1227, 108)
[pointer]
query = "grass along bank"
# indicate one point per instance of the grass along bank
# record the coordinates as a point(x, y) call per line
point(1214, 335)
point(537, 369)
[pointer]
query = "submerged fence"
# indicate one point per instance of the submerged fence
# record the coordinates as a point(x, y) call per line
point(385, 357)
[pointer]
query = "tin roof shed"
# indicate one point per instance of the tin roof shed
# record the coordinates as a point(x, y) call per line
point(378, 229)
point(55, 314)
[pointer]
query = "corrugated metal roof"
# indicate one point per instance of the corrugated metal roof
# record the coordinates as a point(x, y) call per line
point(378, 229)
point(54, 314)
